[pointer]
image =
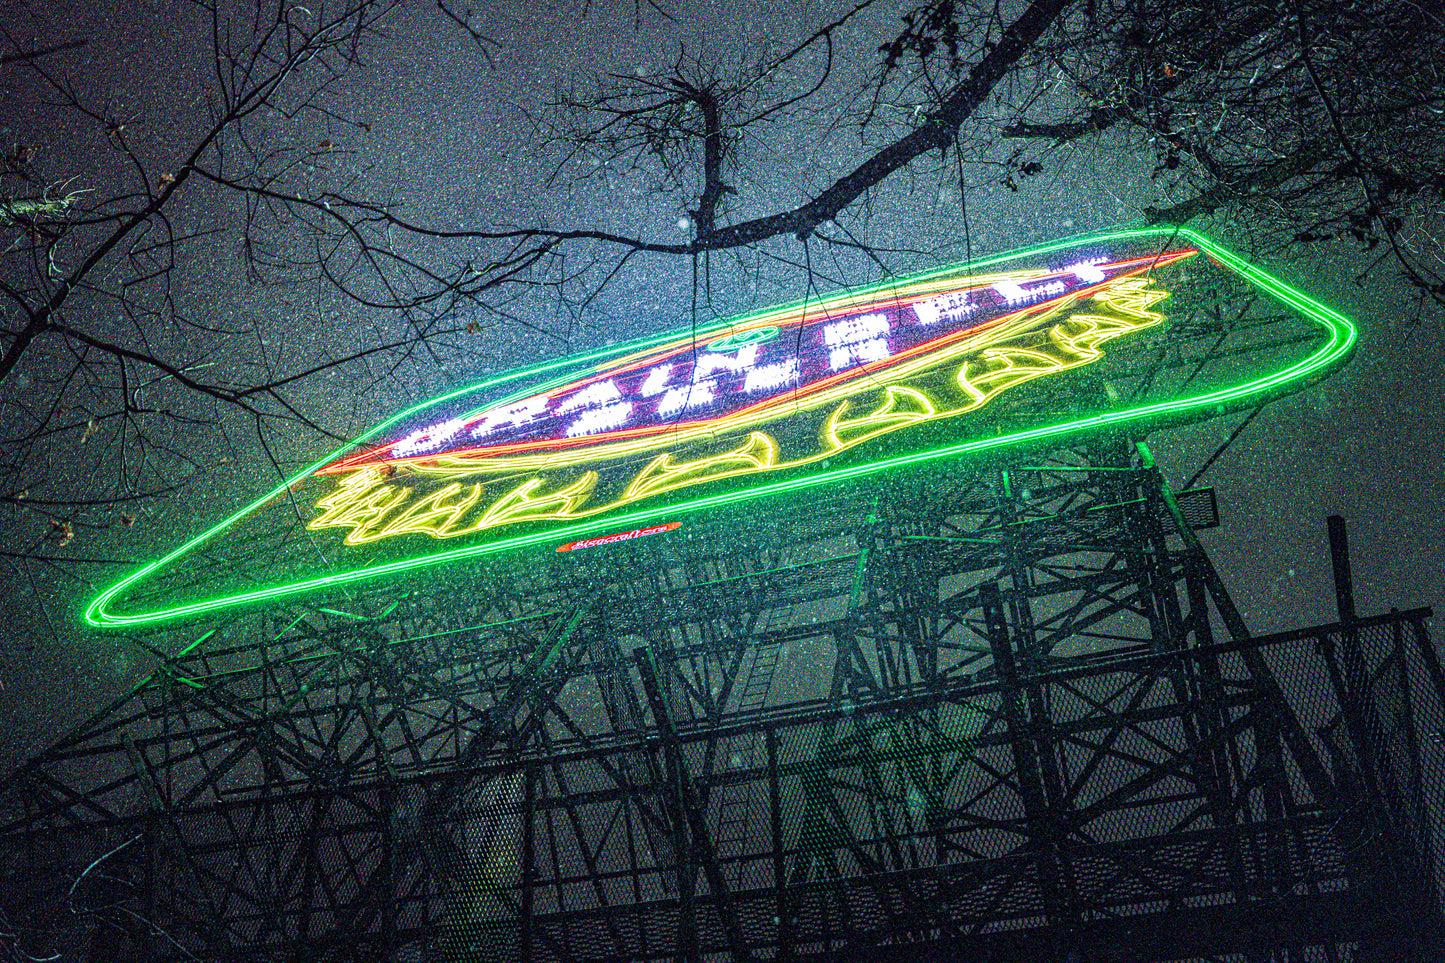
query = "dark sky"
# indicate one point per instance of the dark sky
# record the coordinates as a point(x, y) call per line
point(441, 131)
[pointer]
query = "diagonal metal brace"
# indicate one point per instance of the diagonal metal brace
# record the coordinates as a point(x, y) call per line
point(687, 802)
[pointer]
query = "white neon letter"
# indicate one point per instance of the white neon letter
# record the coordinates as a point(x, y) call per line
point(856, 340)
point(521, 413)
point(685, 396)
point(1087, 271)
point(739, 363)
point(594, 420)
point(954, 306)
point(771, 376)
point(593, 396)
point(656, 381)
point(428, 439)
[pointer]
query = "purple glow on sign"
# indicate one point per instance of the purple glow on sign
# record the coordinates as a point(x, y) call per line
point(1088, 271)
point(772, 376)
point(702, 383)
point(429, 439)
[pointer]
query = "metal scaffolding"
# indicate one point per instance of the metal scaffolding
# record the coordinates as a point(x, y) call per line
point(988, 713)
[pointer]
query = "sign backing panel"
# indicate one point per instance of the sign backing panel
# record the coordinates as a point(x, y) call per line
point(1024, 349)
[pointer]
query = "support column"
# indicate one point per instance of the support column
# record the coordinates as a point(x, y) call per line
point(691, 823)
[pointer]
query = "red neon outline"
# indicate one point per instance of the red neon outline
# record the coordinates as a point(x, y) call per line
point(644, 359)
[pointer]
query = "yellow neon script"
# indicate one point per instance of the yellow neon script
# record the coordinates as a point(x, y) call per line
point(477, 494)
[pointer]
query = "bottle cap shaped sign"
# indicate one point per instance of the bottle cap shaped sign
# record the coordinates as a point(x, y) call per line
point(1028, 348)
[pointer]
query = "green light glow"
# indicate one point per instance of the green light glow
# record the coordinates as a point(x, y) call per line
point(742, 339)
point(1340, 336)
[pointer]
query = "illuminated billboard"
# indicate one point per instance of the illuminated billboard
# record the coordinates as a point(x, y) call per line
point(1021, 349)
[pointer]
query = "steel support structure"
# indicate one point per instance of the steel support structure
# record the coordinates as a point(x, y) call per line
point(992, 713)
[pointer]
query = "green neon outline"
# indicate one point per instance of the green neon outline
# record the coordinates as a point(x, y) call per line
point(1342, 338)
point(743, 339)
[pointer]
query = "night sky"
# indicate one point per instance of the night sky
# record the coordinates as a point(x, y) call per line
point(428, 122)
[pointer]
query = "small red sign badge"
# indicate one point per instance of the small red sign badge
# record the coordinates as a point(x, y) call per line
point(619, 537)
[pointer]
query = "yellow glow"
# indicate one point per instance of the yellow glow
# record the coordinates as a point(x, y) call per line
point(523, 504)
point(436, 514)
point(759, 453)
point(358, 504)
point(901, 407)
point(364, 499)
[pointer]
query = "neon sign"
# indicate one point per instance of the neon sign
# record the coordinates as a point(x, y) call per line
point(676, 417)
point(910, 371)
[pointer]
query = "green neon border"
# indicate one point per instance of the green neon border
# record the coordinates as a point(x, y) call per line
point(1342, 337)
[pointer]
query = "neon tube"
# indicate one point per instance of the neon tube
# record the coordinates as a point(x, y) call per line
point(443, 512)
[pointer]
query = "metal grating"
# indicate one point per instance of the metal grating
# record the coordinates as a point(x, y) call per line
point(1199, 508)
point(961, 717)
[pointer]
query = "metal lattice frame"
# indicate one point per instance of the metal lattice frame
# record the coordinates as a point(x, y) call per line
point(992, 711)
